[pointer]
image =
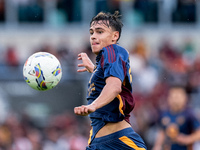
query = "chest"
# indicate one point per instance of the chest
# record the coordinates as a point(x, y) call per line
point(97, 76)
point(176, 123)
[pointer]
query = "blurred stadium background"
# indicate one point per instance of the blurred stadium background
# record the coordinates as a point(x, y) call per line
point(162, 37)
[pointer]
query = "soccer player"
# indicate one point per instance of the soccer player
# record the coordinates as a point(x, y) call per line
point(109, 94)
point(179, 128)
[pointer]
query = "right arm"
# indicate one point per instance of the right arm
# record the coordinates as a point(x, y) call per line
point(109, 92)
point(159, 141)
point(184, 139)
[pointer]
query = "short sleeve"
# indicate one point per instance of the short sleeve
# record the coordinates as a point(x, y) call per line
point(194, 121)
point(112, 64)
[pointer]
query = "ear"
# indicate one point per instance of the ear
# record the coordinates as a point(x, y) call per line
point(115, 36)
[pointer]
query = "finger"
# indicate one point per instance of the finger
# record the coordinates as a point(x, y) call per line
point(84, 57)
point(76, 110)
point(83, 110)
point(86, 110)
point(82, 70)
point(82, 54)
point(80, 65)
point(79, 58)
point(79, 111)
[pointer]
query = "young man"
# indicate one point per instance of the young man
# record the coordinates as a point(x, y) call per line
point(109, 95)
point(179, 126)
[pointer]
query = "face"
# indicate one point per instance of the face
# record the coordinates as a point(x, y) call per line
point(177, 99)
point(101, 36)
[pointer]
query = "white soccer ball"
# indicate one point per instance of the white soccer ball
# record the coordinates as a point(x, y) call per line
point(42, 71)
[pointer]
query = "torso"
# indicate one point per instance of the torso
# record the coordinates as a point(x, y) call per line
point(110, 128)
point(111, 61)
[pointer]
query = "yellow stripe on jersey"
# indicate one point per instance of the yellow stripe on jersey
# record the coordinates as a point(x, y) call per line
point(130, 143)
point(89, 140)
point(120, 104)
point(130, 75)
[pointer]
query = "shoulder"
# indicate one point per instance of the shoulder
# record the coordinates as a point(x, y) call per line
point(114, 50)
point(190, 113)
point(164, 114)
point(117, 47)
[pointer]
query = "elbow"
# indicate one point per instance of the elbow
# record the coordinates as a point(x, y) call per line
point(114, 84)
point(118, 89)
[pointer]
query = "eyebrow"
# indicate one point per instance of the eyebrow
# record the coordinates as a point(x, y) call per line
point(99, 28)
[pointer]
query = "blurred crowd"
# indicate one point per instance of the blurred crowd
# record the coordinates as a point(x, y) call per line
point(62, 11)
point(154, 74)
point(61, 132)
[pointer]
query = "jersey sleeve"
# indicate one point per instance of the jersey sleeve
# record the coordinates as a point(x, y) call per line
point(112, 64)
point(193, 120)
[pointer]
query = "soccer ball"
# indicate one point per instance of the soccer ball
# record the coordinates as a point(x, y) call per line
point(42, 71)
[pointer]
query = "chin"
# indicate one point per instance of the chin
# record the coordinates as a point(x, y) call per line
point(96, 50)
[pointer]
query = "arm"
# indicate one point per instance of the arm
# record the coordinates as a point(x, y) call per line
point(109, 92)
point(159, 141)
point(188, 139)
point(86, 62)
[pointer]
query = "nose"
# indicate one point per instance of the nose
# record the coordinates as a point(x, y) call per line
point(93, 36)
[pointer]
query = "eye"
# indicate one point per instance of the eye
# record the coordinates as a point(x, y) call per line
point(100, 32)
point(91, 32)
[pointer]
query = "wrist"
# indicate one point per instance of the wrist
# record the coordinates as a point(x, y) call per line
point(94, 105)
point(91, 68)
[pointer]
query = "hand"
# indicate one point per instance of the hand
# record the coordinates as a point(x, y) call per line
point(86, 62)
point(157, 147)
point(84, 110)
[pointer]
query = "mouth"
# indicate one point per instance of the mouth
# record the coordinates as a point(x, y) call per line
point(95, 43)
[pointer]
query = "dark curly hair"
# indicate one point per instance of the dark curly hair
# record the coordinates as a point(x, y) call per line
point(110, 20)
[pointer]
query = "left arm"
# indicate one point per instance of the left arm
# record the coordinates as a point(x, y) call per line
point(86, 63)
point(188, 139)
point(109, 92)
